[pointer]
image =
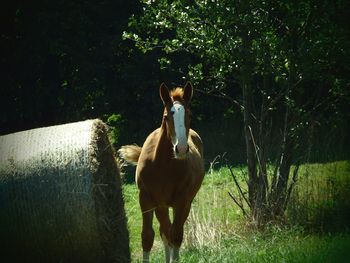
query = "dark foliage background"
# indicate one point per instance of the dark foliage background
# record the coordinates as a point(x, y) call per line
point(65, 61)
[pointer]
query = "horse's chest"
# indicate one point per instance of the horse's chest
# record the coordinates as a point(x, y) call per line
point(165, 186)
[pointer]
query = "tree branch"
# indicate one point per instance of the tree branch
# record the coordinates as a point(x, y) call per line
point(292, 184)
point(240, 205)
point(239, 187)
point(222, 95)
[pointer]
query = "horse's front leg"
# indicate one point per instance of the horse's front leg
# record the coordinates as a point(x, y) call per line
point(181, 213)
point(162, 214)
point(147, 233)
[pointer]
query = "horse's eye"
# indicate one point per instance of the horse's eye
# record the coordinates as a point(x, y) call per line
point(172, 112)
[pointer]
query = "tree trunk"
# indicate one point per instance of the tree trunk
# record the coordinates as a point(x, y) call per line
point(254, 186)
point(279, 191)
point(266, 201)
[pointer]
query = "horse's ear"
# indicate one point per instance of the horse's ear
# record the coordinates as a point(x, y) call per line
point(188, 92)
point(164, 94)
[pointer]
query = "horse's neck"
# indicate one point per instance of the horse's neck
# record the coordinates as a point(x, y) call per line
point(163, 150)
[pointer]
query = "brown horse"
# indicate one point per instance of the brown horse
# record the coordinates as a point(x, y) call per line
point(169, 172)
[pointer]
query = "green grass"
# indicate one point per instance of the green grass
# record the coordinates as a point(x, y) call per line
point(216, 230)
point(287, 246)
point(321, 200)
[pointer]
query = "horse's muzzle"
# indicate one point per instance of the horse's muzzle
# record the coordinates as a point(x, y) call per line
point(181, 153)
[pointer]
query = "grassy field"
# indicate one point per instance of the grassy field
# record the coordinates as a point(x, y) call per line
point(217, 231)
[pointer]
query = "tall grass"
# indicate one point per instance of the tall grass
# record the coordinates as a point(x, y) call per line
point(216, 230)
point(213, 215)
point(321, 199)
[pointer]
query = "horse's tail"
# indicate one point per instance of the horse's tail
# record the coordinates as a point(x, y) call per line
point(130, 153)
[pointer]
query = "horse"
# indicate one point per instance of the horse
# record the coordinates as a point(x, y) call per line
point(169, 172)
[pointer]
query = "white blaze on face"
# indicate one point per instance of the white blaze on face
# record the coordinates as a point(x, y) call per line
point(180, 140)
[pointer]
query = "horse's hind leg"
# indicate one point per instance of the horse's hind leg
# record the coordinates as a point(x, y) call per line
point(162, 214)
point(147, 233)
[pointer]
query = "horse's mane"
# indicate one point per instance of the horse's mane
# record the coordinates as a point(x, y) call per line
point(177, 94)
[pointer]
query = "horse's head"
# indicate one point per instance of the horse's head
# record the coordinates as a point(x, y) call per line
point(177, 117)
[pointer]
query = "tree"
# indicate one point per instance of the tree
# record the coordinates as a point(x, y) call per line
point(278, 54)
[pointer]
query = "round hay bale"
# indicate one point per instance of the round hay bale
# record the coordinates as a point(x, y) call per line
point(60, 196)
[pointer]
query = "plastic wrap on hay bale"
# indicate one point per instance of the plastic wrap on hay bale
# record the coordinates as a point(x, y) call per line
point(61, 197)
